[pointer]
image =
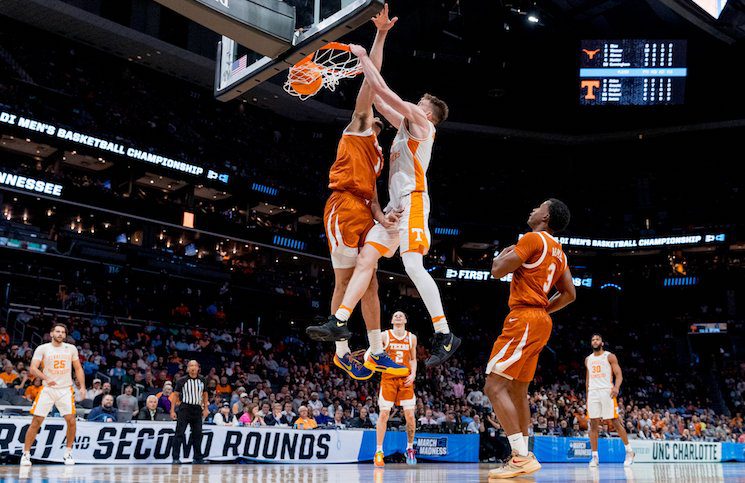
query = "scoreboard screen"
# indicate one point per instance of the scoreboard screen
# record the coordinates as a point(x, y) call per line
point(632, 72)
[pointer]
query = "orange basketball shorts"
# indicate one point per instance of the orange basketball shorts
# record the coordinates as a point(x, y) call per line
point(515, 353)
point(347, 219)
point(393, 392)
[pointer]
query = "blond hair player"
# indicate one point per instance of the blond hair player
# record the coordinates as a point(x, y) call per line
point(602, 370)
point(57, 359)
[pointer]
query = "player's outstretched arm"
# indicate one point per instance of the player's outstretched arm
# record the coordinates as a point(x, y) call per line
point(566, 293)
point(363, 104)
point(410, 111)
point(391, 115)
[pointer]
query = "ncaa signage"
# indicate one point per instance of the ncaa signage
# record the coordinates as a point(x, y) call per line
point(676, 451)
point(148, 442)
point(431, 446)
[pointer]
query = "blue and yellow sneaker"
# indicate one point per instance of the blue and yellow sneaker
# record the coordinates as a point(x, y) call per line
point(353, 367)
point(384, 364)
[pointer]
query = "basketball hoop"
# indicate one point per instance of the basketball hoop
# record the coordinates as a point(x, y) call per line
point(323, 68)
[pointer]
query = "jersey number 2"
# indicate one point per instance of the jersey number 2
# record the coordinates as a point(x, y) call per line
point(551, 273)
point(399, 357)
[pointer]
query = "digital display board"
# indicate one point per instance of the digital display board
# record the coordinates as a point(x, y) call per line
point(632, 72)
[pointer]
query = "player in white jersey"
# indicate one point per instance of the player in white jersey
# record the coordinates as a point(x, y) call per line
point(604, 380)
point(411, 152)
point(57, 360)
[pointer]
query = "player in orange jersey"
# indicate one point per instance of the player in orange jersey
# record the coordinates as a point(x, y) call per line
point(352, 210)
point(537, 264)
point(400, 345)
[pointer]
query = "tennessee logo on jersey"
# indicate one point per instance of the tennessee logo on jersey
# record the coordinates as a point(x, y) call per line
point(543, 263)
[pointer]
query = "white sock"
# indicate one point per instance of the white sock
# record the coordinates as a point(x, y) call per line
point(27, 454)
point(441, 327)
point(68, 451)
point(343, 313)
point(518, 444)
point(376, 341)
point(409, 445)
point(526, 439)
point(628, 448)
point(379, 448)
point(595, 454)
point(342, 348)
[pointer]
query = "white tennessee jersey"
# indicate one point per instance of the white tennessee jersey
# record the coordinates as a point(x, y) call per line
point(409, 162)
point(57, 363)
point(599, 371)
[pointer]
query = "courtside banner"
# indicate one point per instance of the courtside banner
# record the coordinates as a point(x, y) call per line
point(676, 451)
point(551, 449)
point(148, 442)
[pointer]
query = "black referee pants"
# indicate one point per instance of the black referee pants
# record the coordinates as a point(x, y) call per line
point(191, 415)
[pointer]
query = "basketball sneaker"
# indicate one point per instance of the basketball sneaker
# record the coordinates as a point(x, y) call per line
point(331, 330)
point(443, 348)
point(26, 459)
point(353, 367)
point(68, 459)
point(516, 466)
point(384, 364)
point(594, 462)
point(410, 456)
point(379, 461)
point(629, 460)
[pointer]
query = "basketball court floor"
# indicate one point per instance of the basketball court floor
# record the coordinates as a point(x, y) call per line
point(367, 473)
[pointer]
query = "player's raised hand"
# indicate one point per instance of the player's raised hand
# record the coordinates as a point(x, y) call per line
point(357, 50)
point(382, 22)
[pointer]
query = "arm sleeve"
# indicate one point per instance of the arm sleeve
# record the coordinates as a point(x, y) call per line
point(530, 247)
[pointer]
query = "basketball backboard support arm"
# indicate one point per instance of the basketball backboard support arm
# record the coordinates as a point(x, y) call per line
point(234, 77)
point(267, 26)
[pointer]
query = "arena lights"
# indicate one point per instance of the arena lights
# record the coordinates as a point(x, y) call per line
point(110, 146)
point(680, 281)
point(30, 184)
point(447, 231)
point(267, 190)
point(484, 275)
point(697, 239)
point(611, 285)
point(289, 243)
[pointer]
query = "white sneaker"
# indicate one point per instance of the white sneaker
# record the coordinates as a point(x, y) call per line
point(68, 459)
point(26, 459)
point(594, 462)
point(629, 458)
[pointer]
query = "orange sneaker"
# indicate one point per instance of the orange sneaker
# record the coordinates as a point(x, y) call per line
point(516, 466)
point(379, 458)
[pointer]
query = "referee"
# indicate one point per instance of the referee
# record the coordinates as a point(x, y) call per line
point(190, 395)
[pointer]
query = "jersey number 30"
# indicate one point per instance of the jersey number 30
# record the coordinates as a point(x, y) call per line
point(551, 273)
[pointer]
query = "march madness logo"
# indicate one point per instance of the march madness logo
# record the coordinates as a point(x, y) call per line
point(579, 449)
point(431, 446)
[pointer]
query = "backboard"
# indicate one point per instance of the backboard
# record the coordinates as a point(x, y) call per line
point(317, 22)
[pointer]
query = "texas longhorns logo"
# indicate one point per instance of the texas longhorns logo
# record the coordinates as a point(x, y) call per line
point(591, 53)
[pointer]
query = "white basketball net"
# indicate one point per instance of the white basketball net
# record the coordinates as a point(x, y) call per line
point(326, 67)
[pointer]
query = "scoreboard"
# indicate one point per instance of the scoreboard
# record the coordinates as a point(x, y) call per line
point(632, 72)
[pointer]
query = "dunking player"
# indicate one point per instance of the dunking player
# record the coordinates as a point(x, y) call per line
point(400, 345)
point(350, 213)
point(58, 359)
point(537, 264)
point(602, 369)
point(411, 152)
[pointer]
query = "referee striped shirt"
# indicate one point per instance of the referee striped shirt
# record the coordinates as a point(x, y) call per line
point(190, 389)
